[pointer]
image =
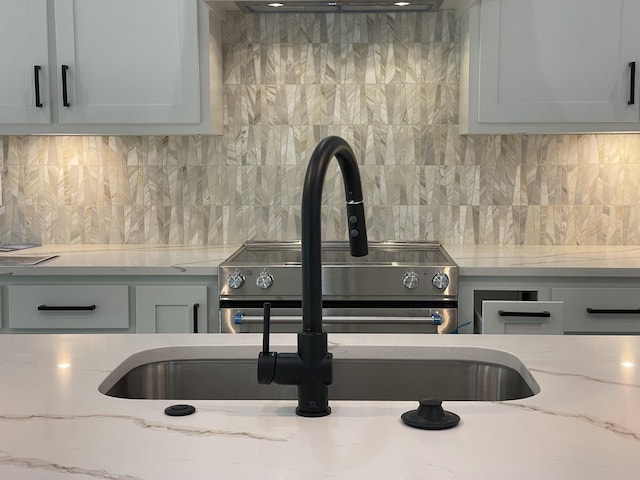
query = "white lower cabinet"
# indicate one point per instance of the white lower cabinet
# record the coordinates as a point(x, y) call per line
point(551, 304)
point(521, 317)
point(104, 304)
point(68, 307)
point(600, 310)
point(171, 309)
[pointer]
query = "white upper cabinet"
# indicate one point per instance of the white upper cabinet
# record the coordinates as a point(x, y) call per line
point(24, 62)
point(113, 67)
point(543, 66)
point(128, 62)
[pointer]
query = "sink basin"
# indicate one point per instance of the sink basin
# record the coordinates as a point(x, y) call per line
point(359, 373)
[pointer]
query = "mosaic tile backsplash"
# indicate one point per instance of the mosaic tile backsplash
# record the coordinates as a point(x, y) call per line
point(388, 84)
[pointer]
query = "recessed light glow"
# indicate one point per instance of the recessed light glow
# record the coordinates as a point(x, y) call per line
point(402, 4)
point(332, 4)
point(627, 364)
point(64, 365)
point(276, 4)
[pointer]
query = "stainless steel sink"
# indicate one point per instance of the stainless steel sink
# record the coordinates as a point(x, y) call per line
point(360, 373)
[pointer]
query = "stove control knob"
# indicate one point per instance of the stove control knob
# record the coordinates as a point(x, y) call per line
point(410, 280)
point(440, 280)
point(264, 280)
point(235, 280)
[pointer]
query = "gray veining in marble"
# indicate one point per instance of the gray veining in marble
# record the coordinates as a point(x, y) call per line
point(603, 424)
point(145, 423)
point(388, 84)
point(35, 464)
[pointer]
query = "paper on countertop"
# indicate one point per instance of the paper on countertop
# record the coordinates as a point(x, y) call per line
point(23, 260)
point(10, 247)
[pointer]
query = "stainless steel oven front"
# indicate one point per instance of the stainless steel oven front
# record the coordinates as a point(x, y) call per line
point(397, 288)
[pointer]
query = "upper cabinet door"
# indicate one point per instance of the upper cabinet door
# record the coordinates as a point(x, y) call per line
point(127, 62)
point(544, 61)
point(24, 62)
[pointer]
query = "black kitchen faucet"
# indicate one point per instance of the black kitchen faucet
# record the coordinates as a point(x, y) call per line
point(311, 367)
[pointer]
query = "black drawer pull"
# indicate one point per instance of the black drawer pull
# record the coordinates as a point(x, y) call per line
point(36, 79)
point(544, 314)
point(59, 308)
point(65, 93)
point(196, 306)
point(629, 311)
point(632, 83)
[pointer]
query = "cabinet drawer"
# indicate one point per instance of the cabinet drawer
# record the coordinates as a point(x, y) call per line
point(68, 307)
point(522, 318)
point(600, 310)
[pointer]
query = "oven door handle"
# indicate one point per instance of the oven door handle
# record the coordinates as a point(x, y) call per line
point(436, 319)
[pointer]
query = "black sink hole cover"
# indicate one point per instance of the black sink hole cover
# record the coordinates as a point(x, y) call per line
point(179, 410)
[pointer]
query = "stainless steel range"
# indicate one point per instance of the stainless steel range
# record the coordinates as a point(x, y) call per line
point(397, 288)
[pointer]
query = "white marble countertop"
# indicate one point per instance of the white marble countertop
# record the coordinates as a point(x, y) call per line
point(584, 423)
point(472, 260)
point(123, 260)
point(540, 260)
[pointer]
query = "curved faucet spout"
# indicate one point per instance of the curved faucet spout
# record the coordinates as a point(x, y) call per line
point(311, 367)
point(311, 239)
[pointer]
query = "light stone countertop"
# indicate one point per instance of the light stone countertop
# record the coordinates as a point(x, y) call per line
point(123, 260)
point(472, 260)
point(540, 260)
point(584, 424)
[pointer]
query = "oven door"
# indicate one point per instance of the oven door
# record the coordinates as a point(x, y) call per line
point(343, 319)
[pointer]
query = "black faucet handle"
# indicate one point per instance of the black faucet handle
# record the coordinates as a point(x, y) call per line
point(266, 359)
point(266, 326)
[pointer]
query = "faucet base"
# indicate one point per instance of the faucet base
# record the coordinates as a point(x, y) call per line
point(303, 413)
point(310, 369)
point(316, 374)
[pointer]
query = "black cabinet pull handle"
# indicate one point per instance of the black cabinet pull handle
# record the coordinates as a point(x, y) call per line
point(58, 308)
point(196, 307)
point(36, 79)
point(65, 93)
point(629, 311)
point(544, 314)
point(632, 83)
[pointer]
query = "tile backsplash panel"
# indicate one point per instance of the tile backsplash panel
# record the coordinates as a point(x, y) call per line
point(388, 84)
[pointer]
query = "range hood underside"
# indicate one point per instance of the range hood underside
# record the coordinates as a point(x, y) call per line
point(347, 6)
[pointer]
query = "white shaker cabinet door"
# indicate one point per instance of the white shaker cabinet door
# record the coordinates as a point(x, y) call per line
point(24, 62)
point(127, 62)
point(171, 309)
point(546, 61)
